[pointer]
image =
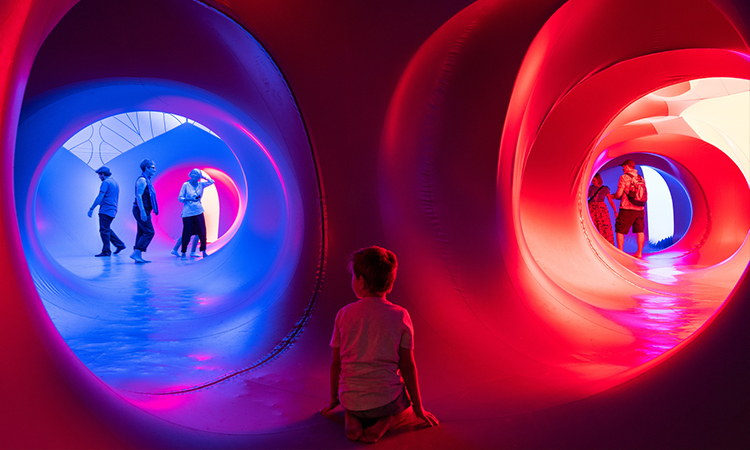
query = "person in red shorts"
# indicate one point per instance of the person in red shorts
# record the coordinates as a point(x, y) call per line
point(630, 215)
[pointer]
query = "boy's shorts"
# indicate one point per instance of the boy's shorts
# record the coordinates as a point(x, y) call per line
point(627, 218)
point(399, 405)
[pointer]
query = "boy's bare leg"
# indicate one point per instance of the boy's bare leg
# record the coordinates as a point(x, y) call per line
point(375, 432)
point(353, 426)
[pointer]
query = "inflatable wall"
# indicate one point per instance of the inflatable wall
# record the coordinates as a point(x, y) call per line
point(461, 135)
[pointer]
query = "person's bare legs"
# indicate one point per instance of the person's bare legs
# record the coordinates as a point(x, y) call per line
point(353, 426)
point(641, 240)
point(375, 432)
point(193, 252)
point(620, 241)
point(177, 245)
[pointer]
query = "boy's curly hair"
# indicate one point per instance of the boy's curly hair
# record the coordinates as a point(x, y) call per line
point(377, 266)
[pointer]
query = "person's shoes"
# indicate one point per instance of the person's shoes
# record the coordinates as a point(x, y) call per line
point(205, 255)
point(119, 249)
point(184, 257)
point(174, 252)
point(102, 254)
point(194, 255)
point(136, 256)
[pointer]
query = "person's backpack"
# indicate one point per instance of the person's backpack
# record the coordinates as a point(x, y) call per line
point(638, 193)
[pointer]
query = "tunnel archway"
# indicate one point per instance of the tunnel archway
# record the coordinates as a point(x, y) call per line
point(477, 364)
point(538, 283)
point(204, 320)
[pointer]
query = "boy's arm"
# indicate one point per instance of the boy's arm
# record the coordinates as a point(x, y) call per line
point(408, 369)
point(335, 372)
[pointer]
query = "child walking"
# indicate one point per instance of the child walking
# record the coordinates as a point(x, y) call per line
point(373, 373)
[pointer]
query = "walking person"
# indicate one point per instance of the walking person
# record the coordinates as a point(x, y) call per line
point(598, 193)
point(109, 193)
point(145, 203)
point(631, 191)
point(178, 245)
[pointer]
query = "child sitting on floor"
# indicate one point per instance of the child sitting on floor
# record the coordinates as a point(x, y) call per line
point(372, 341)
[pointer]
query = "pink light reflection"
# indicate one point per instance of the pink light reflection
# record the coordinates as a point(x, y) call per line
point(659, 323)
point(270, 158)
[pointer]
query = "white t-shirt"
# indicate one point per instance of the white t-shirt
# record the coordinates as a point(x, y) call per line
point(187, 190)
point(369, 333)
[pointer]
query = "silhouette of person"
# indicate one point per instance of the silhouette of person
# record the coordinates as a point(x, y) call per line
point(109, 193)
point(145, 203)
point(193, 221)
point(629, 214)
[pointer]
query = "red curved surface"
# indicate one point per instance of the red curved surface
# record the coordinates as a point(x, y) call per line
point(441, 141)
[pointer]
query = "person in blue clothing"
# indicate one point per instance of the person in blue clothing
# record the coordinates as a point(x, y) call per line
point(109, 193)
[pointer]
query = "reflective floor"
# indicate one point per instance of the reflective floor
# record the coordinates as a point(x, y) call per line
point(159, 328)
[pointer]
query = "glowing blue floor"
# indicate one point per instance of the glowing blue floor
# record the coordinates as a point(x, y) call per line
point(154, 327)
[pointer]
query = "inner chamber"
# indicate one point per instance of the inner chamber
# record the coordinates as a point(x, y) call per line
point(683, 137)
point(171, 325)
point(512, 251)
point(678, 139)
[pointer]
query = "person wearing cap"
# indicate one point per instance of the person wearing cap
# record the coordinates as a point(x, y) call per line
point(630, 215)
point(109, 192)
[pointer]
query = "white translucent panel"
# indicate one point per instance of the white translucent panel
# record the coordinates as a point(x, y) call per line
point(173, 121)
point(705, 88)
point(84, 151)
point(203, 128)
point(79, 138)
point(101, 141)
point(143, 123)
point(117, 136)
point(130, 120)
point(157, 123)
point(729, 116)
point(107, 152)
point(123, 129)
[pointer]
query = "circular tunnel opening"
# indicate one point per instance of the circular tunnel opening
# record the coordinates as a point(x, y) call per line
point(107, 143)
point(695, 172)
point(171, 325)
point(497, 211)
point(669, 210)
point(683, 138)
